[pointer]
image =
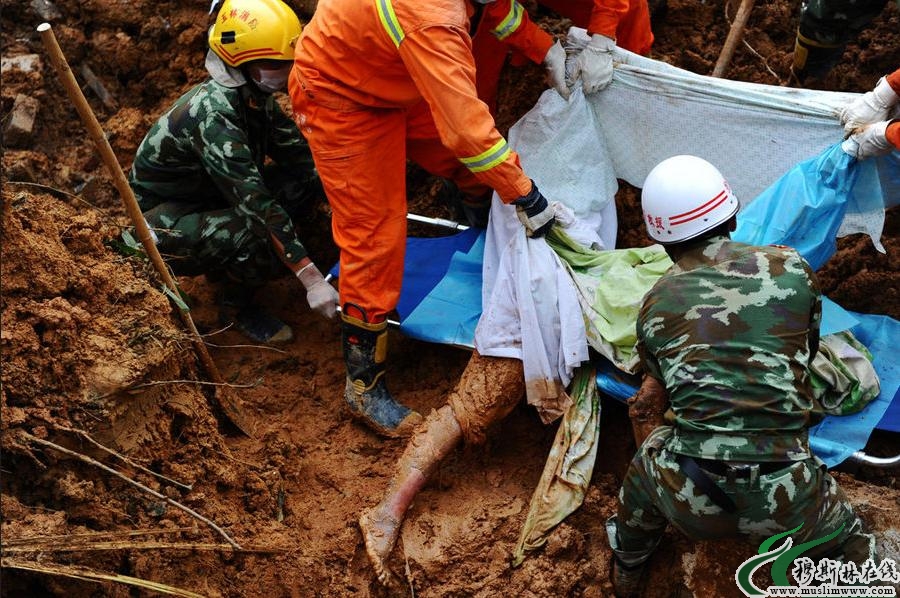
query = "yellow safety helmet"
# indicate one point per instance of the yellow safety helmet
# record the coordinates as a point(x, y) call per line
point(248, 30)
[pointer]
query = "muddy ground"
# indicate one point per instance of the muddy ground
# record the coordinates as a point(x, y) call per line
point(90, 346)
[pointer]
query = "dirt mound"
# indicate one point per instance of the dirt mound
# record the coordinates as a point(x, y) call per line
point(93, 356)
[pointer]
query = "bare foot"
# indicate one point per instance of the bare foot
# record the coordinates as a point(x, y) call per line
point(380, 534)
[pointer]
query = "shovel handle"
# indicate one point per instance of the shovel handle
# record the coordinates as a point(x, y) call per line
point(229, 403)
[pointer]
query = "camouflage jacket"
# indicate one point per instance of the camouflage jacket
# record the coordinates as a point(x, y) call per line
point(211, 146)
point(731, 330)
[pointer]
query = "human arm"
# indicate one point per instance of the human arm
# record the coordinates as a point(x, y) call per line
point(510, 23)
point(873, 106)
point(439, 60)
point(288, 147)
point(320, 295)
point(647, 407)
point(606, 16)
point(594, 64)
point(222, 142)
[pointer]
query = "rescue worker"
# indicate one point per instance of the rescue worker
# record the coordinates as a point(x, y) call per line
point(374, 83)
point(825, 29)
point(201, 179)
point(729, 332)
point(504, 26)
point(872, 121)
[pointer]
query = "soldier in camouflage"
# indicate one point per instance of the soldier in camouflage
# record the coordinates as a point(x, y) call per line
point(824, 30)
point(729, 332)
point(201, 178)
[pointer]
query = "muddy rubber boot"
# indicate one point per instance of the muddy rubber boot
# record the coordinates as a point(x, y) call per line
point(259, 325)
point(365, 351)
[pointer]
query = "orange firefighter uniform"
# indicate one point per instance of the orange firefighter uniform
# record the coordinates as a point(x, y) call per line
point(626, 21)
point(504, 25)
point(373, 81)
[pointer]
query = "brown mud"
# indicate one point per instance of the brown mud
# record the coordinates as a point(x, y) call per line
point(90, 345)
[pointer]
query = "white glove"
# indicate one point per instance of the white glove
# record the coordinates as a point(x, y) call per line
point(594, 65)
point(869, 141)
point(872, 107)
point(321, 296)
point(555, 63)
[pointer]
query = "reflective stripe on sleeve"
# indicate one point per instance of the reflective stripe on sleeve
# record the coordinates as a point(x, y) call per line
point(510, 22)
point(489, 158)
point(389, 21)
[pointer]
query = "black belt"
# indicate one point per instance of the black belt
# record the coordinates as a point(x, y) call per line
point(696, 470)
point(723, 468)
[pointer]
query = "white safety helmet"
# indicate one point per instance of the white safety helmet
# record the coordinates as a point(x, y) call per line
point(683, 197)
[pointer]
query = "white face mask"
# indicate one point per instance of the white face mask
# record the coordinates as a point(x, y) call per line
point(270, 80)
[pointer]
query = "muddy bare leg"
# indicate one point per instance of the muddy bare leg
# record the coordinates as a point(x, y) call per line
point(488, 390)
point(430, 443)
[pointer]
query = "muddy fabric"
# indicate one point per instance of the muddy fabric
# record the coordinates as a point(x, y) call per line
point(731, 330)
point(843, 378)
point(205, 157)
point(569, 467)
point(656, 492)
point(489, 389)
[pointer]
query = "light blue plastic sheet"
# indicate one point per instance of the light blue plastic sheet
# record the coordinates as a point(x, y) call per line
point(805, 207)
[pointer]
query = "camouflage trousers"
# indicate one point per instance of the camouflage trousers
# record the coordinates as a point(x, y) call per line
point(657, 492)
point(204, 237)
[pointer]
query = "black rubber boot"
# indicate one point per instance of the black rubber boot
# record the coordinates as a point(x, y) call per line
point(813, 60)
point(474, 210)
point(628, 566)
point(627, 581)
point(365, 351)
point(236, 306)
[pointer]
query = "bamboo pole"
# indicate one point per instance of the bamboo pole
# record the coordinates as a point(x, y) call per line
point(226, 399)
point(735, 34)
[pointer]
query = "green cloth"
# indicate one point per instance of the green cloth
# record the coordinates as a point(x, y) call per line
point(569, 466)
point(842, 375)
point(611, 287)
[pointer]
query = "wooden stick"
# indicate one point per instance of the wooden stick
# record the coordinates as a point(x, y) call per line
point(103, 546)
point(227, 400)
point(122, 457)
point(83, 573)
point(137, 484)
point(734, 37)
